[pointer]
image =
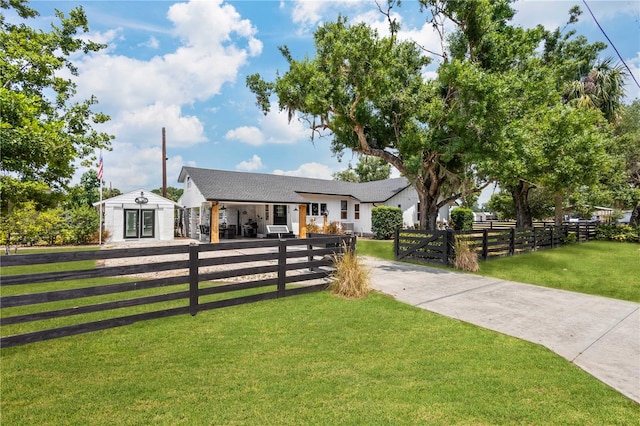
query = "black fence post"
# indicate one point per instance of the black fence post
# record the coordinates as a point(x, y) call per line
point(282, 267)
point(512, 243)
point(485, 244)
point(193, 279)
point(353, 241)
point(449, 247)
point(396, 242)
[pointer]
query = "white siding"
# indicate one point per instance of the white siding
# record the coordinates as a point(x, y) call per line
point(163, 214)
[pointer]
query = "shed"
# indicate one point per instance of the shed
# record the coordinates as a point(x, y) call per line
point(139, 214)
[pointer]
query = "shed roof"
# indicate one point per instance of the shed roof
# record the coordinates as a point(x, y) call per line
point(222, 185)
point(129, 198)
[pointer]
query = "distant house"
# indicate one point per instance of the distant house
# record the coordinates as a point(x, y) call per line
point(139, 214)
point(243, 201)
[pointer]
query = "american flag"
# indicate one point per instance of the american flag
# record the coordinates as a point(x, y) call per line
point(100, 169)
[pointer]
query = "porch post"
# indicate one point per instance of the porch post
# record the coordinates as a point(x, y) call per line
point(302, 220)
point(214, 235)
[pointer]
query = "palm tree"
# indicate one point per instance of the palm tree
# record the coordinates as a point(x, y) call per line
point(602, 88)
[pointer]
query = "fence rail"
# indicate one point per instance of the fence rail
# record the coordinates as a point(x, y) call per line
point(192, 279)
point(438, 246)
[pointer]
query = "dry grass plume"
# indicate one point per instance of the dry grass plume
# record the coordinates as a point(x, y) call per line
point(351, 278)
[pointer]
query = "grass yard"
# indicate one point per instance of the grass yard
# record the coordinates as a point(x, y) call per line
point(382, 249)
point(312, 359)
point(604, 268)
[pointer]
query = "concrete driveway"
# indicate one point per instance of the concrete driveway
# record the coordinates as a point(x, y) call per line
point(598, 334)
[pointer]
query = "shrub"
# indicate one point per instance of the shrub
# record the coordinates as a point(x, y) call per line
point(462, 219)
point(384, 221)
point(334, 228)
point(85, 223)
point(466, 257)
point(313, 227)
point(350, 278)
point(617, 232)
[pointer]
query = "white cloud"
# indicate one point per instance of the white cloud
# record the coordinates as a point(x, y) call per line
point(555, 13)
point(248, 166)
point(146, 124)
point(274, 128)
point(279, 130)
point(128, 167)
point(250, 135)
point(142, 96)
point(210, 56)
point(310, 170)
point(631, 88)
point(152, 43)
point(306, 14)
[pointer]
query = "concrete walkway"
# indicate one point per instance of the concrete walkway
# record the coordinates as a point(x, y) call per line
point(598, 334)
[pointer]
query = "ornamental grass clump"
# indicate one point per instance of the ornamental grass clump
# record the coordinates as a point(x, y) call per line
point(466, 257)
point(350, 278)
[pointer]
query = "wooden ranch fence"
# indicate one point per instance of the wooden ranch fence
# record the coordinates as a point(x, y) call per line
point(438, 246)
point(177, 279)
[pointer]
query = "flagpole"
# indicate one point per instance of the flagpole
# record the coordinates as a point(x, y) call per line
point(100, 205)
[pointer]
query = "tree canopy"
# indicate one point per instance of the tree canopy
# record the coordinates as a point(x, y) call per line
point(368, 169)
point(500, 108)
point(44, 130)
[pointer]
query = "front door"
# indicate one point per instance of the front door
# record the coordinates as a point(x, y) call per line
point(139, 223)
point(279, 214)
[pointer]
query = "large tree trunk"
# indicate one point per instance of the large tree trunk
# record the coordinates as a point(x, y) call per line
point(428, 209)
point(520, 195)
point(428, 204)
point(559, 213)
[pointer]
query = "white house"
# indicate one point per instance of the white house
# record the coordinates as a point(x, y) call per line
point(243, 201)
point(139, 214)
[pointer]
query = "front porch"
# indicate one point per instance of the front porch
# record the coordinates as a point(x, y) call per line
point(215, 221)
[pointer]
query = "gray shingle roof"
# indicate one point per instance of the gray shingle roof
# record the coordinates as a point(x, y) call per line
point(221, 185)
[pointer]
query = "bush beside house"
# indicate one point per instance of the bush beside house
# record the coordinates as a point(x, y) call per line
point(384, 221)
point(617, 232)
point(462, 219)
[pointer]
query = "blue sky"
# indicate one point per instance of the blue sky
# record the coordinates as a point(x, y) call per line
point(182, 66)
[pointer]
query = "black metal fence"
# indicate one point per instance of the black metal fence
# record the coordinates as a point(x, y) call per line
point(439, 246)
point(189, 278)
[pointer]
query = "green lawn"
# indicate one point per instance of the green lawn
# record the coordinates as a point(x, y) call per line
point(311, 359)
point(604, 268)
point(382, 249)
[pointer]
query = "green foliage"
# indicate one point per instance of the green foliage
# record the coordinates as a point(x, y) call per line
point(44, 129)
point(26, 225)
point(570, 239)
point(384, 221)
point(368, 169)
point(540, 204)
point(15, 192)
point(84, 222)
point(618, 232)
point(462, 219)
point(173, 194)
point(369, 92)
